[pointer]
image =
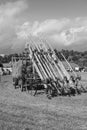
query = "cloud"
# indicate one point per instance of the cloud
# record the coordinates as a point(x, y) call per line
point(47, 28)
point(64, 31)
point(15, 27)
point(10, 17)
point(11, 9)
point(75, 34)
point(51, 25)
point(9, 12)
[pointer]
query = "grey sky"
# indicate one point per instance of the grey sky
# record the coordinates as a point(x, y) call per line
point(41, 16)
point(49, 9)
point(42, 9)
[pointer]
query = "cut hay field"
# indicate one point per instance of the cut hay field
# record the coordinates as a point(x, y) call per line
point(21, 111)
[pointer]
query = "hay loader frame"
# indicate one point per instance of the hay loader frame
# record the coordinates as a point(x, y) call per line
point(37, 69)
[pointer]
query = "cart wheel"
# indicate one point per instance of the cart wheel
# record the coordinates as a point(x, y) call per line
point(15, 82)
point(21, 87)
point(49, 92)
point(14, 85)
point(20, 83)
point(33, 91)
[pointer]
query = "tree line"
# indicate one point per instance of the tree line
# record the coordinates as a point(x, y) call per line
point(79, 58)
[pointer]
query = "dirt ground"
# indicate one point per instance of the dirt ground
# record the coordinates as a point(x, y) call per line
point(21, 111)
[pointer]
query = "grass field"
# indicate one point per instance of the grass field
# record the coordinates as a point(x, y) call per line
point(21, 111)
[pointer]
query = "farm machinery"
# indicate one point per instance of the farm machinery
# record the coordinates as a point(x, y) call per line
point(38, 68)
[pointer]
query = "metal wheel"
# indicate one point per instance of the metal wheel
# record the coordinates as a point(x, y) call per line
point(49, 92)
point(21, 87)
point(33, 90)
point(20, 83)
point(15, 82)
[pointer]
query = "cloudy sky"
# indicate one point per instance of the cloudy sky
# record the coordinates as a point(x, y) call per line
point(62, 22)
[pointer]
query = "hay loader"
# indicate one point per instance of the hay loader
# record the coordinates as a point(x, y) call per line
point(40, 69)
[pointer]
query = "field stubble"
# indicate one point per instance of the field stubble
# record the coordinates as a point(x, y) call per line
point(21, 111)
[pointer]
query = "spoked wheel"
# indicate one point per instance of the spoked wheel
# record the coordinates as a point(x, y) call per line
point(21, 87)
point(15, 82)
point(49, 92)
point(33, 91)
point(20, 83)
point(14, 85)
